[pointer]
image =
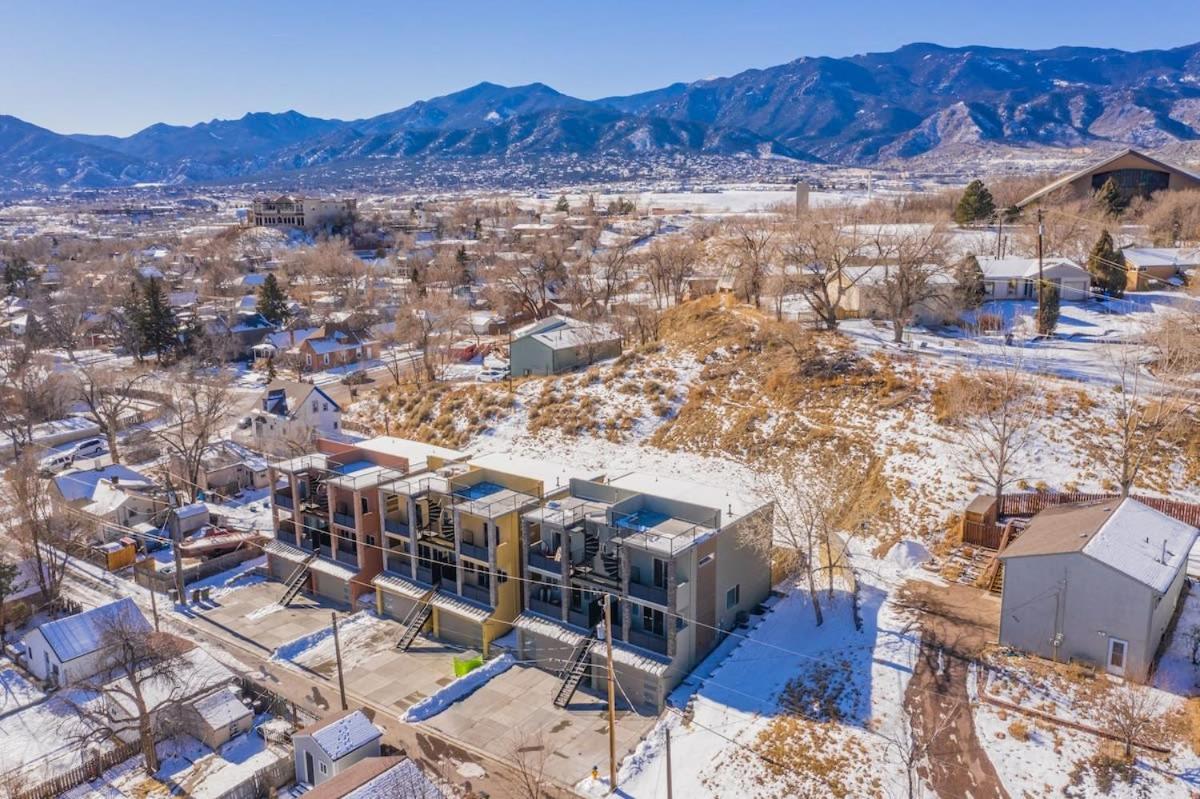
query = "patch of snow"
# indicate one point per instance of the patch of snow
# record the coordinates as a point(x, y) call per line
point(460, 688)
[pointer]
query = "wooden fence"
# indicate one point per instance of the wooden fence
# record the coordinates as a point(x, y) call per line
point(144, 573)
point(989, 534)
point(1030, 504)
point(82, 773)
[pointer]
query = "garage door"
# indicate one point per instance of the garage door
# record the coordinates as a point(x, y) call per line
point(332, 587)
point(548, 653)
point(459, 630)
point(396, 606)
point(281, 569)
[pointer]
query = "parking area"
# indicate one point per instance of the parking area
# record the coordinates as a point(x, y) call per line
point(514, 714)
point(373, 668)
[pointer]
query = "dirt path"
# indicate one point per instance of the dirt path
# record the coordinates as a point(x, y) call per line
point(956, 622)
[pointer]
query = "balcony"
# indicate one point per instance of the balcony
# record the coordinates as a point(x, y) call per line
point(286, 534)
point(395, 526)
point(425, 574)
point(477, 593)
point(347, 556)
point(538, 559)
point(399, 563)
point(648, 593)
point(283, 500)
point(473, 551)
point(650, 641)
point(545, 608)
point(344, 519)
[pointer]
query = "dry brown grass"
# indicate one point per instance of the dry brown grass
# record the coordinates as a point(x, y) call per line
point(445, 414)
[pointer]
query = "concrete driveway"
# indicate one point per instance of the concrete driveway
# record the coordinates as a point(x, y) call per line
point(515, 711)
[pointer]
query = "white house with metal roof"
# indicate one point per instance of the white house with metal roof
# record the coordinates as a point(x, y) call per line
point(67, 650)
point(332, 745)
point(1017, 278)
point(1096, 582)
point(559, 343)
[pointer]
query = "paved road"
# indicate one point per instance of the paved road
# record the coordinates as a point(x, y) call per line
point(472, 770)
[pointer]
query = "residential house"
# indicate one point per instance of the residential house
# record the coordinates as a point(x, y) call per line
point(242, 333)
point(377, 778)
point(558, 344)
point(1158, 267)
point(867, 287)
point(453, 539)
point(1017, 278)
point(336, 345)
point(331, 746)
point(28, 593)
point(291, 414)
point(676, 560)
point(1096, 582)
point(116, 497)
point(326, 511)
point(219, 717)
point(226, 468)
point(71, 649)
point(298, 212)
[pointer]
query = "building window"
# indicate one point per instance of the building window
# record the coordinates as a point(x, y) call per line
point(660, 573)
point(326, 359)
point(363, 501)
point(324, 768)
point(314, 406)
point(733, 596)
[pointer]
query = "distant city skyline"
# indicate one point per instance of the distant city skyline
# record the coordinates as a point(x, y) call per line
point(117, 67)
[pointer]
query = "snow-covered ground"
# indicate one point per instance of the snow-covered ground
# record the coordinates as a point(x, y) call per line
point(724, 716)
point(16, 691)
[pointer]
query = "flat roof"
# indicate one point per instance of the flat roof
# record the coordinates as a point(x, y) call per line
point(553, 475)
point(413, 451)
point(732, 504)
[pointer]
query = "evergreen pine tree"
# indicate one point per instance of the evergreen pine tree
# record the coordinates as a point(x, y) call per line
point(562, 205)
point(970, 288)
point(272, 302)
point(271, 370)
point(1047, 317)
point(1108, 199)
point(160, 331)
point(1107, 266)
point(133, 313)
point(17, 275)
point(976, 204)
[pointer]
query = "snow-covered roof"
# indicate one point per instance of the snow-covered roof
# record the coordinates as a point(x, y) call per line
point(343, 734)
point(1126, 535)
point(733, 504)
point(221, 708)
point(552, 474)
point(395, 584)
point(190, 510)
point(80, 484)
point(81, 634)
point(869, 275)
point(403, 779)
point(1162, 256)
point(460, 606)
point(415, 452)
point(1009, 268)
point(1144, 543)
point(548, 628)
point(640, 659)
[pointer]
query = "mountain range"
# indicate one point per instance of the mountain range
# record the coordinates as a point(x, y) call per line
point(914, 102)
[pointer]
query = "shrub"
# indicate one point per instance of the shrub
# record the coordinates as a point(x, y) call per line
point(1019, 730)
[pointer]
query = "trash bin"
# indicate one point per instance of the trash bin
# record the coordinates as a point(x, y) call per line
point(467, 662)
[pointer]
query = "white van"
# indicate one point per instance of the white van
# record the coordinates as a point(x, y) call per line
point(56, 462)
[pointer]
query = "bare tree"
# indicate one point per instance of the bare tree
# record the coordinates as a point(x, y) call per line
point(430, 327)
point(31, 392)
point(109, 396)
point(524, 285)
point(669, 263)
point(752, 247)
point(1131, 713)
point(821, 247)
point(915, 748)
point(199, 407)
point(41, 534)
point(1146, 407)
point(528, 756)
point(143, 680)
point(914, 276)
point(994, 418)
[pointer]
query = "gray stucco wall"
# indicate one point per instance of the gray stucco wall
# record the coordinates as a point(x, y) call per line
point(527, 355)
point(305, 743)
point(1093, 603)
point(741, 563)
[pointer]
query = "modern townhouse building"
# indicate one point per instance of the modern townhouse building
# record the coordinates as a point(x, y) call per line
point(681, 564)
point(453, 545)
point(326, 513)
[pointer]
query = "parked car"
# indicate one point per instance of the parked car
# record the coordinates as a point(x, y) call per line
point(64, 458)
point(491, 375)
point(244, 422)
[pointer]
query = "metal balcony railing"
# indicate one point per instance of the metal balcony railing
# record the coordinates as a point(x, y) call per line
point(648, 593)
point(650, 641)
point(473, 551)
point(395, 526)
point(283, 500)
point(545, 608)
point(347, 557)
point(537, 558)
point(477, 593)
point(344, 519)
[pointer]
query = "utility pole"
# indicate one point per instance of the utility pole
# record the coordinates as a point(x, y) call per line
point(999, 236)
point(612, 716)
point(669, 796)
point(1041, 231)
point(337, 653)
point(154, 606)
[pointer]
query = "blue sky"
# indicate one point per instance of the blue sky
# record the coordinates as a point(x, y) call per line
point(119, 65)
